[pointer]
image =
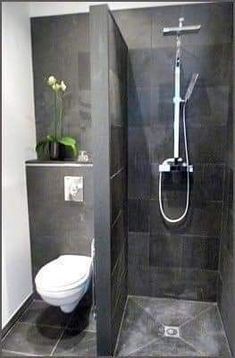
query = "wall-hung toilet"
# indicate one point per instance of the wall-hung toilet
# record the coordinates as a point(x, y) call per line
point(64, 281)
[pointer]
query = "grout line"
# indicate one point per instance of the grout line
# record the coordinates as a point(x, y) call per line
point(118, 172)
point(148, 313)
point(116, 219)
point(144, 346)
point(193, 318)
point(192, 346)
point(21, 353)
point(120, 328)
point(58, 341)
point(226, 338)
point(41, 325)
point(176, 299)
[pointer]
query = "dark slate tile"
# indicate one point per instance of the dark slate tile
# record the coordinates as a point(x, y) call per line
point(138, 280)
point(201, 144)
point(138, 143)
point(40, 313)
point(118, 239)
point(117, 159)
point(166, 250)
point(140, 68)
point(214, 104)
point(118, 194)
point(204, 220)
point(166, 347)
point(135, 26)
point(117, 51)
point(225, 303)
point(189, 284)
point(138, 163)
point(82, 319)
point(206, 333)
point(160, 143)
point(139, 110)
point(163, 64)
point(200, 252)
point(212, 62)
point(171, 312)
point(138, 329)
point(117, 100)
point(117, 313)
point(138, 214)
point(226, 269)
point(139, 179)
point(138, 249)
point(73, 343)
point(119, 284)
point(162, 108)
point(31, 339)
point(208, 182)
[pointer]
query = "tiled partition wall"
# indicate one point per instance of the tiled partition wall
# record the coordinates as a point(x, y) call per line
point(109, 124)
point(176, 260)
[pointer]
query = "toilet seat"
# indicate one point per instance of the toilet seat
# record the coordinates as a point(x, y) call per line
point(64, 273)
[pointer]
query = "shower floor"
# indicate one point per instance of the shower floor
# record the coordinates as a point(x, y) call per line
point(167, 327)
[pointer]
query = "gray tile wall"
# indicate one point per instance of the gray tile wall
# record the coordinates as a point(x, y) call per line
point(61, 47)
point(176, 260)
point(57, 226)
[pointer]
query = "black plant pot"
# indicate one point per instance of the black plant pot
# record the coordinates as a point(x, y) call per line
point(66, 153)
point(54, 151)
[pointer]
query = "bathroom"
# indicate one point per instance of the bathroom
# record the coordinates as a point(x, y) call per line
point(112, 248)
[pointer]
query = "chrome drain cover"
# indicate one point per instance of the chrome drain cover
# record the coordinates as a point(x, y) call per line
point(171, 331)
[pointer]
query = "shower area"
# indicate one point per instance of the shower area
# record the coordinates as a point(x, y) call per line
point(161, 95)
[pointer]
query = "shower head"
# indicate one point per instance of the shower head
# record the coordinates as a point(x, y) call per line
point(180, 30)
point(191, 86)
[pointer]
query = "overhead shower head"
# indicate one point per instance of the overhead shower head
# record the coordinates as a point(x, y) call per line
point(180, 30)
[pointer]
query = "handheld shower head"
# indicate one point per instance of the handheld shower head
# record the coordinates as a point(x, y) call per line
point(191, 86)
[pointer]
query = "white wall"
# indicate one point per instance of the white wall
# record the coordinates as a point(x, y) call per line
point(48, 8)
point(18, 132)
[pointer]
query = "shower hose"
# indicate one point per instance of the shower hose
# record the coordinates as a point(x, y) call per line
point(167, 218)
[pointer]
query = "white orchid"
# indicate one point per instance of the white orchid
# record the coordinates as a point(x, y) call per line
point(56, 87)
point(63, 86)
point(51, 80)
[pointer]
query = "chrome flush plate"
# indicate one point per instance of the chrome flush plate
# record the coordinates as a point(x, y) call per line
point(73, 188)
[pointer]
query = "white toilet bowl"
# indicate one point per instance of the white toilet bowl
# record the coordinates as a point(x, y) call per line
point(63, 281)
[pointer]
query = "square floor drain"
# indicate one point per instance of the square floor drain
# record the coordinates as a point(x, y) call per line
point(171, 331)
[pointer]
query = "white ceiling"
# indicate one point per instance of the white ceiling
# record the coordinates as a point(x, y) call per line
point(62, 7)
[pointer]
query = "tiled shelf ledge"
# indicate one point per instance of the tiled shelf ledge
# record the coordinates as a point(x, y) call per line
point(40, 163)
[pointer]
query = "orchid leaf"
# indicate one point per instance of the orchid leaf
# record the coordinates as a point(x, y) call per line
point(71, 143)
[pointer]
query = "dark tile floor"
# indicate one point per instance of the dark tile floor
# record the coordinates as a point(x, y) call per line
point(167, 327)
point(151, 327)
point(45, 330)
